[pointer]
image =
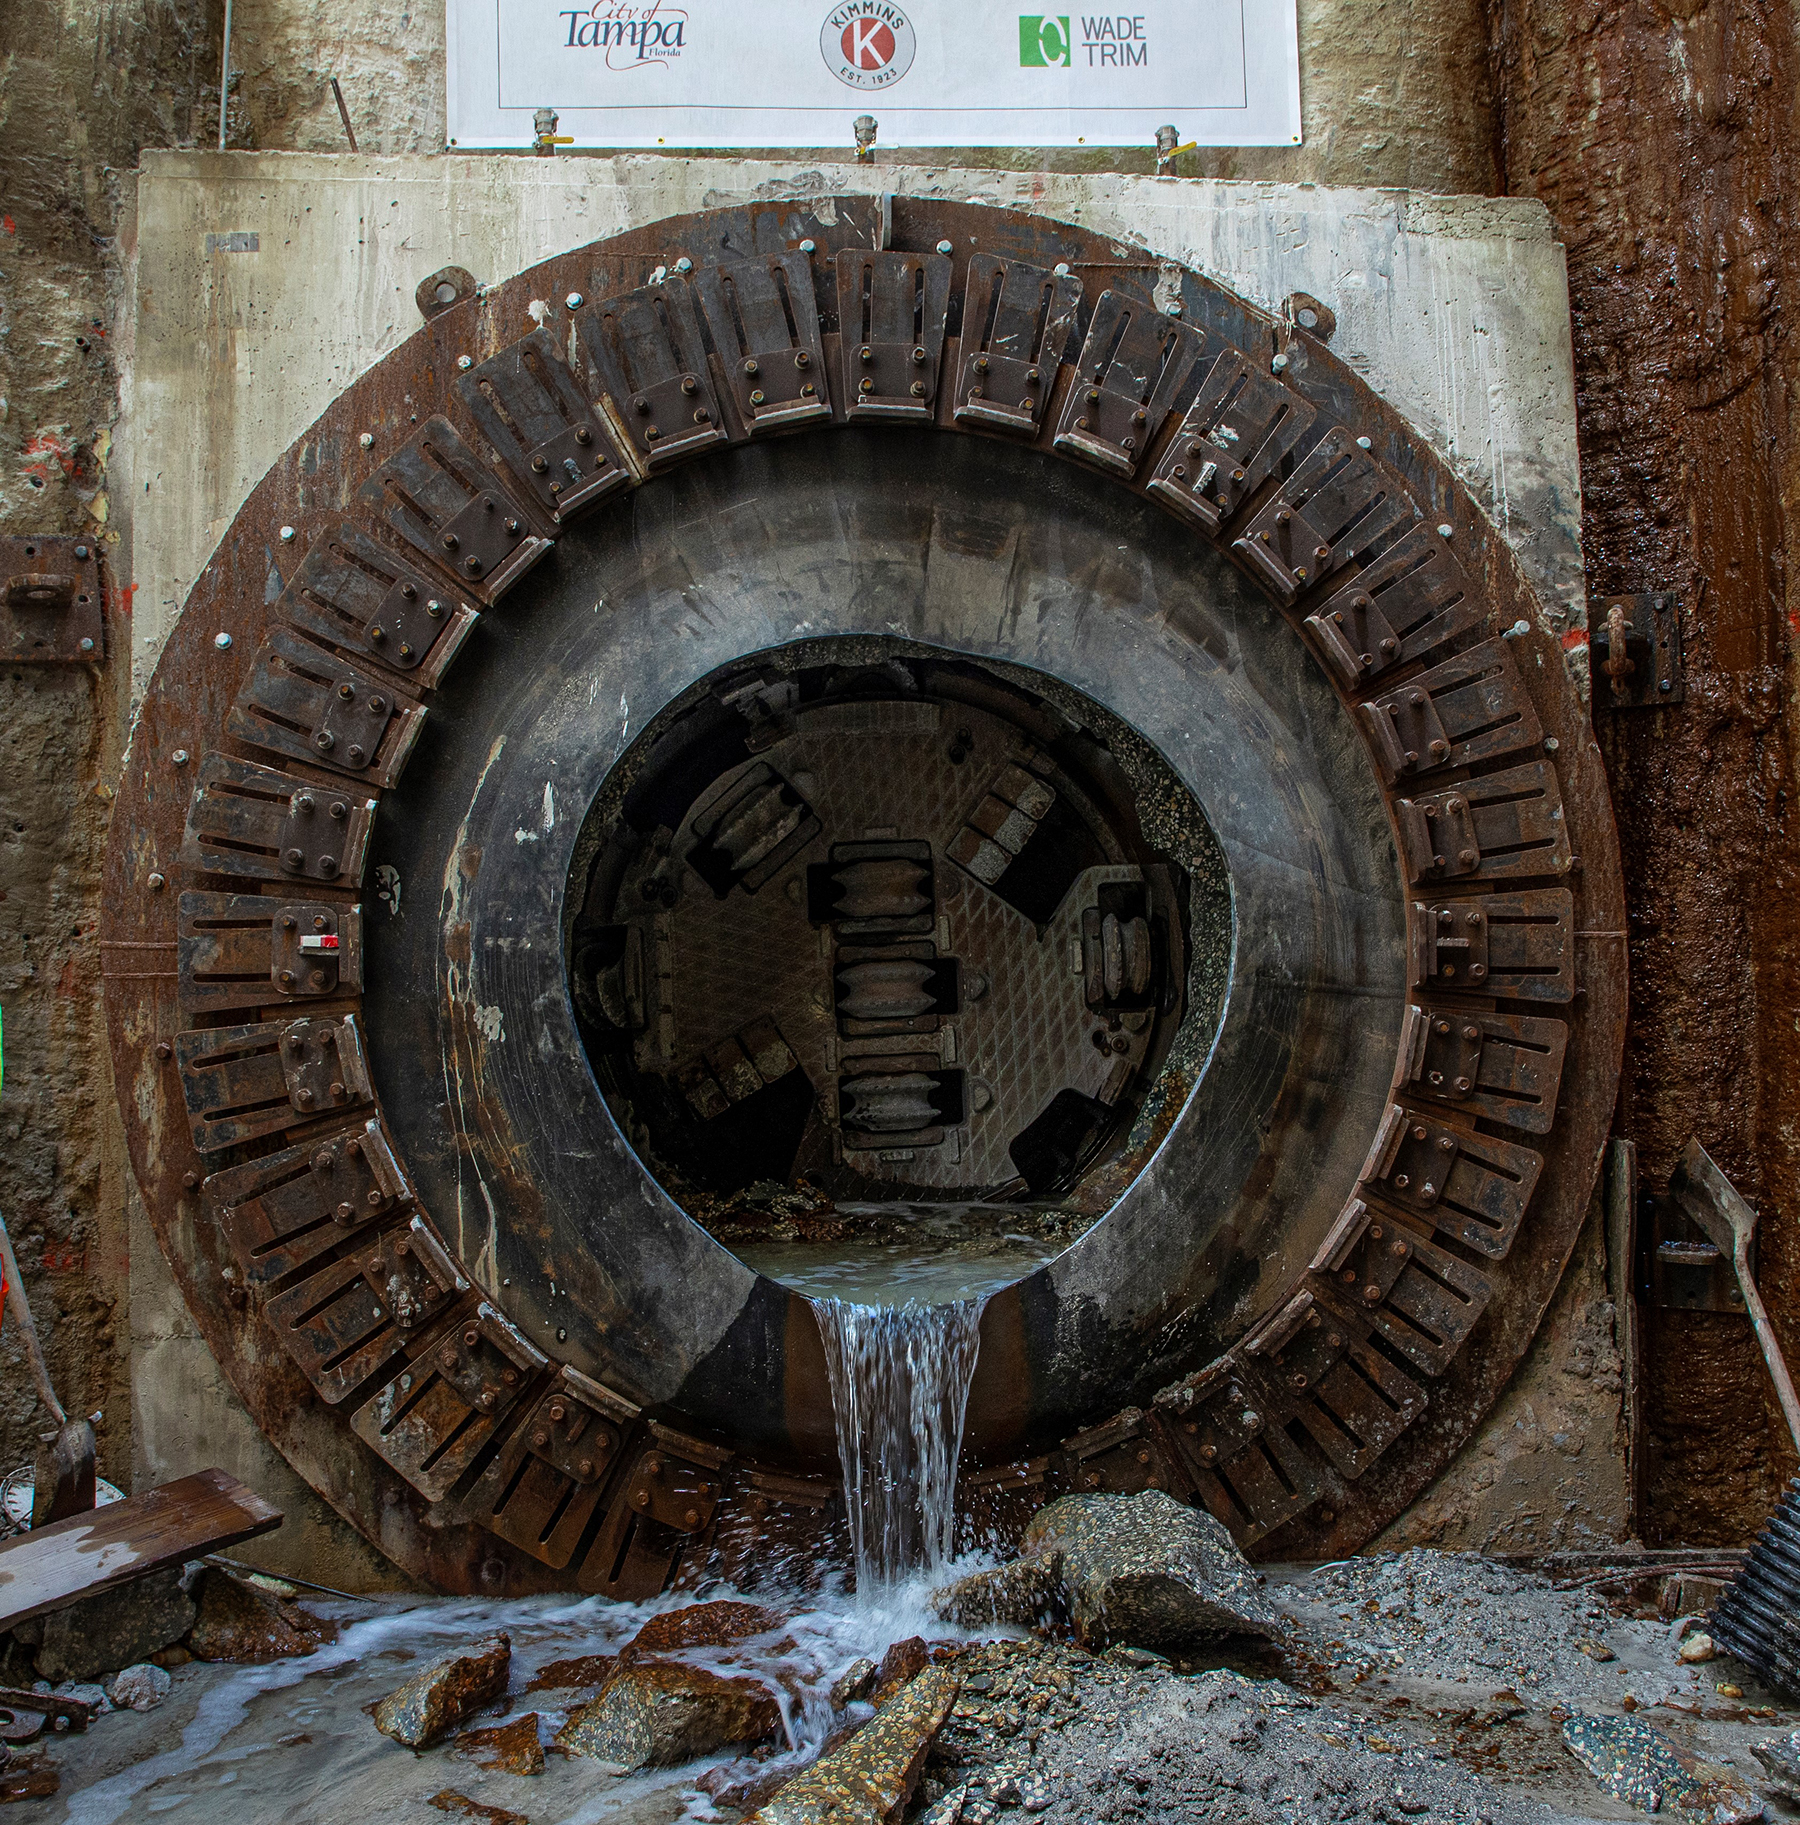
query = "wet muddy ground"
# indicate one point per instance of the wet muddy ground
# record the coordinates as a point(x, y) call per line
point(1424, 1686)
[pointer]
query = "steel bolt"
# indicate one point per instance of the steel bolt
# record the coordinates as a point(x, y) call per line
point(287, 535)
point(463, 362)
point(367, 440)
point(684, 264)
point(164, 1049)
point(157, 883)
point(222, 641)
point(573, 301)
point(1445, 532)
point(1279, 362)
point(87, 646)
point(807, 246)
point(1363, 443)
point(944, 247)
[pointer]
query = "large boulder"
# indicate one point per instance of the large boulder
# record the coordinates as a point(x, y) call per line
point(432, 1703)
point(870, 1779)
point(655, 1713)
point(1144, 1570)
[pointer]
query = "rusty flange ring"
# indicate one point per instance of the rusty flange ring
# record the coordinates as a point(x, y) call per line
point(435, 483)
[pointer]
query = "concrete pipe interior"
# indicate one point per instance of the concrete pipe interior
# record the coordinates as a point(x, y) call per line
point(656, 676)
point(886, 960)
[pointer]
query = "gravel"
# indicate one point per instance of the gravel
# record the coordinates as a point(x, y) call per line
point(1462, 1618)
point(1070, 1738)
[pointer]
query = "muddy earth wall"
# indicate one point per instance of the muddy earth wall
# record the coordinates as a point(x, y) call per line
point(1667, 194)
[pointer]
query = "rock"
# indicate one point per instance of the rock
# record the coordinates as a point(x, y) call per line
point(948, 1810)
point(139, 1688)
point(656, 1713)
point(699, 1625)
point(115, 1628)
point(1027, 1592)
point(583, 1670)
point(743, 1785)
point(1697, 1648)
point(86, 1694)
point(1148, 1571)
point(460, 1803)
point(1636, 1763)
point(903, 1662)
point(1595, 1650)
point(854, 1683)
point(513, 1748)
point(871, 1778)
point(432, 1703)
point(1782, 1760)
point(239, 1622)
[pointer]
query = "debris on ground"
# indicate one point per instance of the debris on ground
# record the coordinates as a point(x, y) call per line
point(1415, 1686)
point(1696, 1649)
point(28, 1777)
point(512, 1748)
point(432, 1703)
point(462, 1806)
point(139, 1688)
point(870, 1778)
point(1636, 1762)
point(657, 1713)
point(112, 1629)
point(237, 1621)
point(700, 1625)
point(1143, 1569)
point(1781, 1762)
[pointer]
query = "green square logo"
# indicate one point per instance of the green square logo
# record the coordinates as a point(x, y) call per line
point(1043, 41)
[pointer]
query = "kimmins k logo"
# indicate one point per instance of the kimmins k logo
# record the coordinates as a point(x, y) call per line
point(867, 44)
point(630, 33)
point(1110, 42)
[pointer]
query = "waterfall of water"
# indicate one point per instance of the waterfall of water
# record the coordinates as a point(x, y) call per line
point(899, 1388)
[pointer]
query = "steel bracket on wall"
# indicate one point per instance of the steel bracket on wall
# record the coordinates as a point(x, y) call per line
point(51, 600)
point(1635, 645)
point(1683, 1271)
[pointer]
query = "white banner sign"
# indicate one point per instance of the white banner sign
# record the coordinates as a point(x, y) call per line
point(932, 72)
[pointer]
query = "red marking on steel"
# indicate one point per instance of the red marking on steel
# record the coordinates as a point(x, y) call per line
point(1575, 638)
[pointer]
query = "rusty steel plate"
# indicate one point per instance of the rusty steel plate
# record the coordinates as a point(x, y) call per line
point(406, 1222)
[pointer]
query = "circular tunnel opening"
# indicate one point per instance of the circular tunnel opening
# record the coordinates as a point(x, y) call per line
point(894, 965)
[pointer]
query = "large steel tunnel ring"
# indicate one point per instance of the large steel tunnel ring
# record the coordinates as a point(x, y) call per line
point(784, 451)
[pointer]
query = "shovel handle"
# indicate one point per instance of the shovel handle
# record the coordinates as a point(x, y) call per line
point(34, 1351)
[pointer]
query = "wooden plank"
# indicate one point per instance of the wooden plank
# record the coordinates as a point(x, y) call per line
point(50, 1566)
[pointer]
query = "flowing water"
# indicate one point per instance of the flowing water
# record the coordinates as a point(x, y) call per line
point(900, 1379)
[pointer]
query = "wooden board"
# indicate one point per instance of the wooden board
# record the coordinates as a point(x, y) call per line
point(50, 1566)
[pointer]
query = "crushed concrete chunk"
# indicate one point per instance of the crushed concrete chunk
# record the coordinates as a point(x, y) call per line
point(240, 1622)
point(1636, 1763)
point(655, 1713)
point(432, 1703)
point(1027, 1592)
point(700, 1625)
point(1144, 1570)
point(870, 1779)
point(513, 1748)
point(139, 1688)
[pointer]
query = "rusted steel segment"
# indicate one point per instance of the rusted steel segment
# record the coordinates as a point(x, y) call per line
point(391, 1373)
